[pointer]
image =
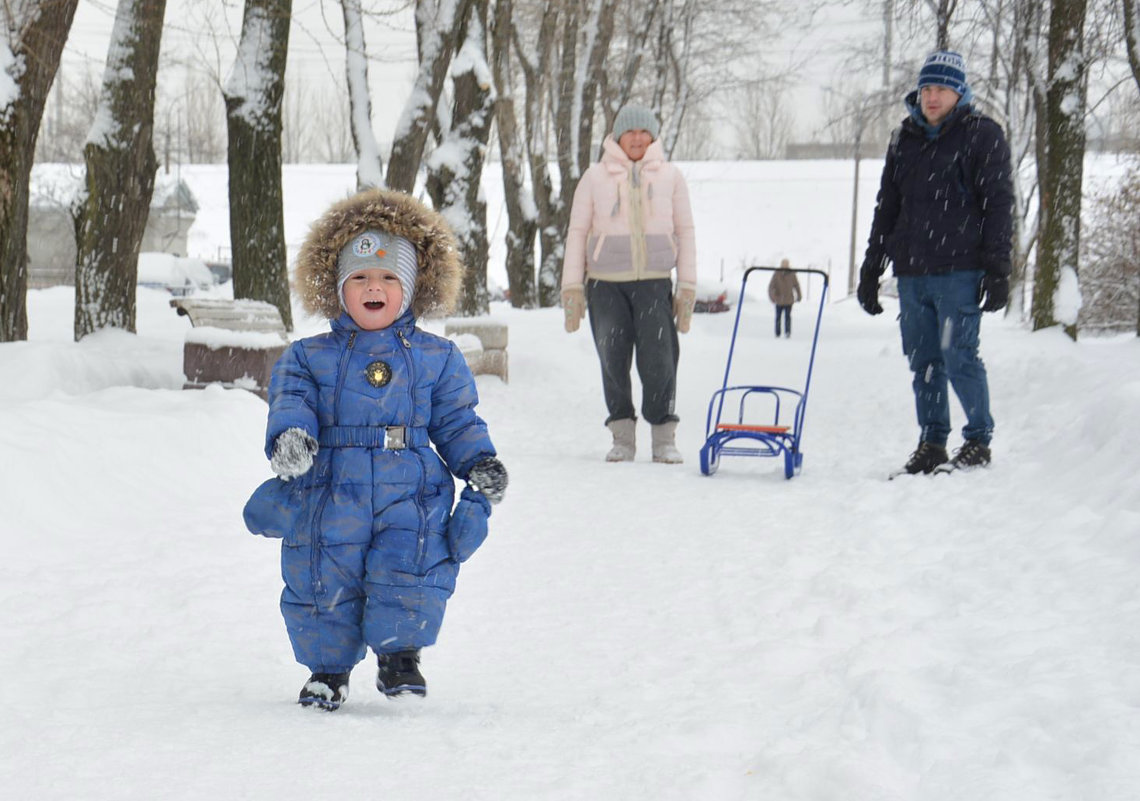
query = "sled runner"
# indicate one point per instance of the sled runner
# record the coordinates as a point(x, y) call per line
point(745, 434)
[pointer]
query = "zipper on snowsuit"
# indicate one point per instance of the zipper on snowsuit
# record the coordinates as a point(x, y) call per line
point(421, 532)
point(316, 540)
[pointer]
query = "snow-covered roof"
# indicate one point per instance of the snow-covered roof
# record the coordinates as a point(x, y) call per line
point(56, 186)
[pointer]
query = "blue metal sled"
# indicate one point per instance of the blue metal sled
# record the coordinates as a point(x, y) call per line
point(778, 436)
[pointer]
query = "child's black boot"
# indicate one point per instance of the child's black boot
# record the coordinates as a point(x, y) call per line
point(325, 690)
point(399, 674)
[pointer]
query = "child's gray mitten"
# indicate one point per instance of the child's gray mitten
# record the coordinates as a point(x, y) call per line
point(489, 477)
point(293, 453)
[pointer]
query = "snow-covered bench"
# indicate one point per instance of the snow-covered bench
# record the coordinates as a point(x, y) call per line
point(232, 342)
point(483, 344)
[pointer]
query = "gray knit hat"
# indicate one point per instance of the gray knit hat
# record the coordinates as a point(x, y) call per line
point(378, 250)
point(633, 117)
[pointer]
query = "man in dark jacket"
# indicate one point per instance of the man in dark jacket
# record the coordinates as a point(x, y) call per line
point(944, 221)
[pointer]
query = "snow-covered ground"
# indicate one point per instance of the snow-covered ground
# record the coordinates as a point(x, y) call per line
point(629, 631)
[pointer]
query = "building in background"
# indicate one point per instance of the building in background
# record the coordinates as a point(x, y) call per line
point(51, 227)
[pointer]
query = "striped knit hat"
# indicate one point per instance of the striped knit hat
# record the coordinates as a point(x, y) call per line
point(944, 68)
point(373, 250)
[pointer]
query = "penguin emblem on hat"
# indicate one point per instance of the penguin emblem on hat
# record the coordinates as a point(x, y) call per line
point(368, 245)
point(378, 373)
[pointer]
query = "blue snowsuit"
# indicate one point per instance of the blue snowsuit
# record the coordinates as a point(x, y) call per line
point(368, 555)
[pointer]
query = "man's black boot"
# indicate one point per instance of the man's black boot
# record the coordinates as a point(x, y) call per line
point(925, 458)
point(973, 453)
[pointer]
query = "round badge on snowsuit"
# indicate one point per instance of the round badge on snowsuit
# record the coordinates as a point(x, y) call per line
point(378, 373)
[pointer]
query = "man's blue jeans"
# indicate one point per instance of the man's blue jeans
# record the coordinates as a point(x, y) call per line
point(941, 321)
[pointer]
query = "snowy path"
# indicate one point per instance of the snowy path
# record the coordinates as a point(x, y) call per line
point(629, 631)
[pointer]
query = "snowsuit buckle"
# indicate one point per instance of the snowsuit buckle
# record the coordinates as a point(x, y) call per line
point(395, 438)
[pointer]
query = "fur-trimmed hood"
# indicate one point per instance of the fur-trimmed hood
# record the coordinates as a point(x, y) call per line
point(439, 274)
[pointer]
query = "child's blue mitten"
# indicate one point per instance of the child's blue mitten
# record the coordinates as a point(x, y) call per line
point(468, 525)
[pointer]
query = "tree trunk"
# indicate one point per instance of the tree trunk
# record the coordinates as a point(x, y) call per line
point(599, 35)
point(537, 75)
point(522, 216)
point(565, 122)
point(369, 166)
point(437, 23)
point(943, 12)
point(585, 42)
point(36, 36)
point(1024, 109)
point(638, 46)
point(455, 169)
point(1059, 246)
point(253, 93)
point(120, 173)
point(1132, 40)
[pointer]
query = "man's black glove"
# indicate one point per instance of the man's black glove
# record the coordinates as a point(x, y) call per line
point(489, 477)
point(994, 293)
point(868, 290)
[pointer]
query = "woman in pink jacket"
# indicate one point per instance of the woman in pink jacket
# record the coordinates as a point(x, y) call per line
point(630, 225)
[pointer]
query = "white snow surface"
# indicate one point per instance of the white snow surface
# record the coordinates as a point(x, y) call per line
point(628, 631)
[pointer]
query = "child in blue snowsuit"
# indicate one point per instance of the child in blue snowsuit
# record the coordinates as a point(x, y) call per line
point(363, 504)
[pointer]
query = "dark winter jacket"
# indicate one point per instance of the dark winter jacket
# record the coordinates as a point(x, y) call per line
point(367, 515)
point(946, 197)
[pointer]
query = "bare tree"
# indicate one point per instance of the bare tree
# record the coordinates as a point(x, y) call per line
point(1132, 37)
point(121, 164)
point(522, 214)
point(1012, 89)
point(205, 110)
point(943, 11)
point(1132, 43)
point(1059, 246)
point(297, 103)
point(30, 55)
point(535, 67)
point(454, 169)
point(762, 120)
point(437, 24)
point(253, 93)
point(586, 30)
point(369, 167)
point(67, 118)
point(330, 115)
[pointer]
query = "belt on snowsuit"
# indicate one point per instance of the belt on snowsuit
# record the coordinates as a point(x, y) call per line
point(392, 438)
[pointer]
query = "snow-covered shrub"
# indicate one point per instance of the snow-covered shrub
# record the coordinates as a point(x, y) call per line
point(1110, 263)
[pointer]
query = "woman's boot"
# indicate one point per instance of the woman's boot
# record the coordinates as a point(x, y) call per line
point(625, 445)
point(664, 448)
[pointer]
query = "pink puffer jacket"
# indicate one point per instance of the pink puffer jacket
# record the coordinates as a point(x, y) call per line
point(622, 232)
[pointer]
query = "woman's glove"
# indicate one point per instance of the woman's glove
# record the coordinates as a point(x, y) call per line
point(683, 303)
point(488, 477)
point(293, 453)
point(467, 528)
point(574, 307)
